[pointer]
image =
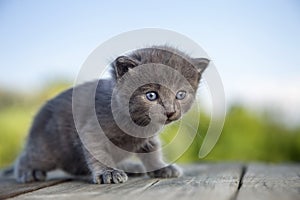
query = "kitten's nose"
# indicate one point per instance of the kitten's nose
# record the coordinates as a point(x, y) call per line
point(170, 114)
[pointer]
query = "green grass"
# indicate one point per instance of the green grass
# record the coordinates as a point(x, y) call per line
point(16, 115)
point(247, 136)
point(14, 124)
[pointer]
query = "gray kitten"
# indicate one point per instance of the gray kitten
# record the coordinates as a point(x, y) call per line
point(56, 142)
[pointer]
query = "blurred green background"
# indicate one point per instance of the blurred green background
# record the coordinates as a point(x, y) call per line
point(247, 135)
point(254, 45)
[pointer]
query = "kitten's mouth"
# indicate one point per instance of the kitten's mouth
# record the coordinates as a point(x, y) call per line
point(172, 119)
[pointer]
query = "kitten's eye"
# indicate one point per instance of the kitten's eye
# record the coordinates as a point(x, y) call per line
point(180, 95)
point(151, 96)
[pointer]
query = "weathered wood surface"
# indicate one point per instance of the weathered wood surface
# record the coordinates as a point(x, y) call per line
point(9, 187)
point(276, 182)
point(204, 181)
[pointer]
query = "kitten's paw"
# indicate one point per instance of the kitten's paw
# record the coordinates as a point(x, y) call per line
point(110, 176)
point(31, 176)
point(170, 171)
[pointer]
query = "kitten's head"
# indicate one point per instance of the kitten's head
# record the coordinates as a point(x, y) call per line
point(159, 83)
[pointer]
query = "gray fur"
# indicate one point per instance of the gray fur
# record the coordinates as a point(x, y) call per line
point(54, 143)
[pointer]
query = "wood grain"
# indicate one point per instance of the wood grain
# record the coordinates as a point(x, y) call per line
point(10, 188)
point(205, 181)
point(219, 181)
point(223, 181)
point(262, 181)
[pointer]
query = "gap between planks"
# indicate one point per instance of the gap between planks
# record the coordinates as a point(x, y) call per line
point(213, 181)
point(243, 172)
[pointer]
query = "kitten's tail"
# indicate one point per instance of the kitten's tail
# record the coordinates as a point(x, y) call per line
point(7, 172)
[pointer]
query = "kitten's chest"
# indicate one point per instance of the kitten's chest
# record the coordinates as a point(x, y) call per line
point(125, 148)
point(129, 143)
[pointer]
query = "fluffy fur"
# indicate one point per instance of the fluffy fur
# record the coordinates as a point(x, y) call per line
point(54, 142)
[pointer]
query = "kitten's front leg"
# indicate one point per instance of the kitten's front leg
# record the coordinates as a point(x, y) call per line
point(104, 173)
point(151, 156)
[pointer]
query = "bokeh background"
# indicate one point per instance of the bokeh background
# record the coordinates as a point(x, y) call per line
point(254, 44)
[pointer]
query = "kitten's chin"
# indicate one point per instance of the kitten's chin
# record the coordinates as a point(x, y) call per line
point(168, 121)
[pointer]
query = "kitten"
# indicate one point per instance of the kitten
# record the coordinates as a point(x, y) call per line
point(55, 143)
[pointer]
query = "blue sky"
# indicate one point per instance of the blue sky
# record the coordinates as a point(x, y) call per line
point(254, 44)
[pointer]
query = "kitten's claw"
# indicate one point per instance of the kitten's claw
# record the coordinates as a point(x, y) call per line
point(110, 176)
point(170, 171)
point(31, 176)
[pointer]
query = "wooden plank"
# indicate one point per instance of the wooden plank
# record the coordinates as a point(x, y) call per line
point(218, 181)
point(82, 190)
point(262, 181)
point(205, 181)
point(10, 188)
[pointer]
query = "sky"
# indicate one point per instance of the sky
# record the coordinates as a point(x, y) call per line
point(255, 45)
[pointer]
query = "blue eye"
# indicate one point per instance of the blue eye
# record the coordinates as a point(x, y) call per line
point(180, 95)
point(151, 96)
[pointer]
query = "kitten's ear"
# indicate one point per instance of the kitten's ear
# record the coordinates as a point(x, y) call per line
point(123, 63)
point(201, 64)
